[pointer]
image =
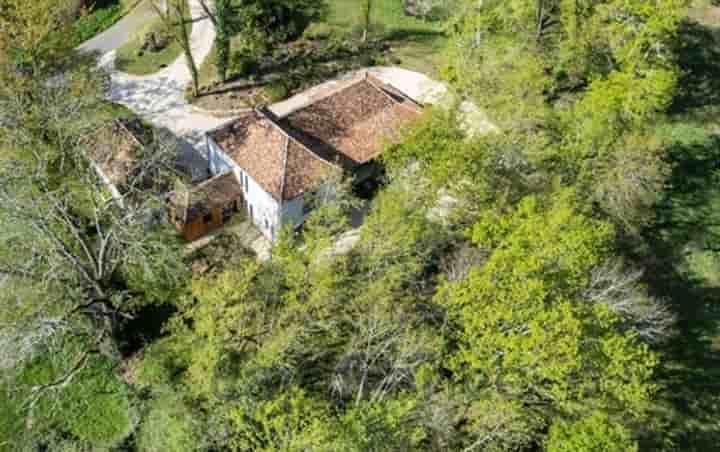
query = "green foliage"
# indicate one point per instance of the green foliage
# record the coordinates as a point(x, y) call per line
point(89, 403)
point(380, 427)
point(277, 90)
point(96, 21)
point(169, 425)
point(593, 433)
point(523, 325)
point(291, 421)
point(279, 20)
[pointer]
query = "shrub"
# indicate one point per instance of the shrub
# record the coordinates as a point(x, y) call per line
point(318, 32)
point(277, 90)
point(242, 64)
point(96, 21)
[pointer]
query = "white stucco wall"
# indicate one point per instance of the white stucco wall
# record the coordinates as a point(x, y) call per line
point(265, 208)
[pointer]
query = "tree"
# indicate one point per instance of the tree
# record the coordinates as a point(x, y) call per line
point(524, 331)
point(224, 18)
point(577, 89)
point(77, 262)
point(367, 16)
point(34, 38)
point(174, 20)
point(595, 432)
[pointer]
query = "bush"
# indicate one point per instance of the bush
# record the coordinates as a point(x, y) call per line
point(277, 90)
point(243, 64)
point(169, 426)
point(284, 20)
point(319, 32)
point(96, 21)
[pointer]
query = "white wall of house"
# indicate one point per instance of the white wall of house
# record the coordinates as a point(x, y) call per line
point(260, 205)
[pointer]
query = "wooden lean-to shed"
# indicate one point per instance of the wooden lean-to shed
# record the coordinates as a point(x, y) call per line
point(207, 206)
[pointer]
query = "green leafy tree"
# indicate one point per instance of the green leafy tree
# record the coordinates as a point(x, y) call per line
point(591, 433)
point(524, 330)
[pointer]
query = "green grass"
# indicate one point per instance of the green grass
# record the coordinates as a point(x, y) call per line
point(129, 59)
point(99, 18)
point(416, 42)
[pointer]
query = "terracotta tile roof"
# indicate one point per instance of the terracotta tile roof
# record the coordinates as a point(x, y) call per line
point(344, 128)
point(352, 124)
point(278, 162)
point(303, 170)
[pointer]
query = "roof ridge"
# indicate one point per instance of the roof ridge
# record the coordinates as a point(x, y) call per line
point(374, 82)
point(284, 169)
point(270, 116)
point(343, 85)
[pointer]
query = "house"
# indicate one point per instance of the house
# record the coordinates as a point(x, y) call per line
point(277, 161)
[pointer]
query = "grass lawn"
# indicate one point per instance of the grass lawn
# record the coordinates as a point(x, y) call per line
point(405, 41)
point(130, 58)
point(103, 15)
point(415, 41)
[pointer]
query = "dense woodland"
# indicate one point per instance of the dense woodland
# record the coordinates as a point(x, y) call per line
point(551, 284)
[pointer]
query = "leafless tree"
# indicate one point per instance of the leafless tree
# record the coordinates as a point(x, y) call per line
point(174, 16)
point(76, 260)
point(382, 355)
point(621, 289)
point(458, 264)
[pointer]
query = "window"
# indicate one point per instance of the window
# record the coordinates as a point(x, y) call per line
point(207, 218)
point(246, 182)
point(250, 211)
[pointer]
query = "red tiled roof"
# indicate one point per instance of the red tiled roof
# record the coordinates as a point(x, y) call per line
point(347, 127)
point(355, 121)
point(280, 164)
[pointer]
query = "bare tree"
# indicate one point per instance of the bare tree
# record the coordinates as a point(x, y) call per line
point(621, 289)
point(75, 260)
point(174, 16)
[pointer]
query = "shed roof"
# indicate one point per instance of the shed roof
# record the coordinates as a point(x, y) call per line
point(217, 192)
point(114, 149)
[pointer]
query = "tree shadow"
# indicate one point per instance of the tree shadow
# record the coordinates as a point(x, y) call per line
point(688, 220)
point(697, 50)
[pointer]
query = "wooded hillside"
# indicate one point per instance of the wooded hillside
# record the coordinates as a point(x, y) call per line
point(549, 285)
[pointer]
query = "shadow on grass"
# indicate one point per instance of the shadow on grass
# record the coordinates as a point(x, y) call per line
point(687, 222)
point(698, 54)
point(413, 36)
